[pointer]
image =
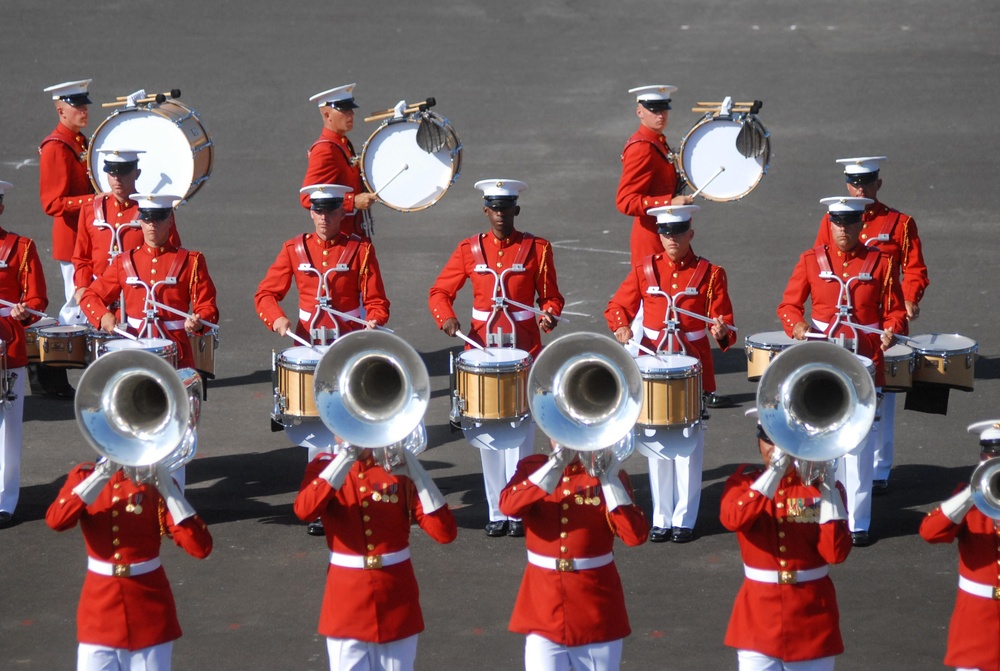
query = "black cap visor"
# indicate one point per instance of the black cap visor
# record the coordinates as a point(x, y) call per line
point(120, 168)
point(656, 105)
point(154, 214)
point(845, 218)
point(343, 105)
point(500, 202)
point(77, 99)
point(674, 229)
point(326, 204)
point(860, 179)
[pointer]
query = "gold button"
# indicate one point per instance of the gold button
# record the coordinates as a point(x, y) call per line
point(563, 534)
point(114, 529)
point(364, 504)
point(676, 274)
point(116, 485)
point(782, 548)
point(325, 264)
point(153, 271)
point(114, 513)
point(499, 265)
point(370, 547)
point(118, 555)
point(781, 534)
point(115, 499)
point(565, 478)
point(155, 259)
point(783, 563)
point(565, 506)
point(673, 286)
point(500, 253)
point(564, 520)
point(368, 532)
point(752, 494)
point(781, 520)
point(566, 492)
point(116, 542)
point(562, 548)
point(326, 252)
point(781, 492)
point(362, 489)
point(361, 476)
point(367, 518)
point(780, 506)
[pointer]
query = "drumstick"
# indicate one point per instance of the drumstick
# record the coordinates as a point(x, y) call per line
point(172, 93)
point(721, 170)
point(472, 342)
point(707, 320)
point(869, 329)
point(540, 313)
point(399, 172)
point(356, 320)
point(125, 334)
point(410, 109)
point(297, 339)
point(28, 310)
point(181, 313)
point(123, 103)
point(645, 349)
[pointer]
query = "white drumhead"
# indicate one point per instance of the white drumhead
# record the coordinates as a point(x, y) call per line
point(666, 362)
point(866, 362)
point(943, 343)
point(771, 340)
point(426, 177)
point(304, 355)
point(66, 331)
point(44, 322)
point(898, 353)
point(168, 162)
point(146, 344)
point(493, 357)
point(711, 144)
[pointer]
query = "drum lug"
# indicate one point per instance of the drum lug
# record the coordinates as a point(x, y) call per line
point(969, 359)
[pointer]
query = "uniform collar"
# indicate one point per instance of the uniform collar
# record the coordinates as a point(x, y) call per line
point(859, 251)
point(79, 138)
point(165, 248)
point(512, 239)
point(876, 209)
point(334, 136)
point(338, 239)
point(685, 263)
point(651, 134)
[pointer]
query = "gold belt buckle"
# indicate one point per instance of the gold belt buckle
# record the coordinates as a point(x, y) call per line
point(787, 578)
point(373, 562)
point(565, 565)
point(996, 593)
point(121, 570)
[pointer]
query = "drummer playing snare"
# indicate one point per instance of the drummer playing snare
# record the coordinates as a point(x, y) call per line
point(332, 160)
point(509, 270)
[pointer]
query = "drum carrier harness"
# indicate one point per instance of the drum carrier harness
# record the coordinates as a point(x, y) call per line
point(669, 335)
point(845, 308)
point(151, 320)
point(115, 248)
point(323, 297)
point(7, 252)
point(500, 300)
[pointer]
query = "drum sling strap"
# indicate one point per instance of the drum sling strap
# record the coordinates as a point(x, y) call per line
point(346, 257)
point(668, 155)
point(9, 244)
point(128, 265)
point(885, 234)
point(866, 270)
point(72, 147)
point(475, 246)
point(700, 271)
point(348, 152)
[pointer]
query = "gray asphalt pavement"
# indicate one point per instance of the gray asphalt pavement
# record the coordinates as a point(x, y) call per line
point(536, 91)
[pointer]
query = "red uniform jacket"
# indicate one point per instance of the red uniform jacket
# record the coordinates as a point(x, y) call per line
point(360, 285)
point(974, 633)
point(92, 253)
point(193, 293)
point(570, 607)
point(369, 515)
point(712, 301)
point(791, 622)
point(877, 302)
point(20, 281)
point(903, 246)
point(332, 161)
point(129, 612)
point(538, 278)
point(63, 186)
point(649, 179)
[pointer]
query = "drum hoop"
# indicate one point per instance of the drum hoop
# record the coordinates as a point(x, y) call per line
point(62, 330)
point(932, 350)
point(672, 374)
point(709, 119)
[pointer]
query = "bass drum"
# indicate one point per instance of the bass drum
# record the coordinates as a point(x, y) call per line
point(426, 176)
point(178, 152)
point(712, 144)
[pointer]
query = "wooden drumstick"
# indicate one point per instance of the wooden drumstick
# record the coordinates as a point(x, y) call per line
point(721, 170)
point(472, 342)
point(28, 310)
point(125, 334)
point(399, 172)
point(410, 109)
point(172, 93)
point(181, 313)
point(299, 340)
point(123, 103)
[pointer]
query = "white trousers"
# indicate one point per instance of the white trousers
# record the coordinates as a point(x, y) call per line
point(11, 416)
point(541, 654)
point(91, 657)
point(755, 661)
point(348, 654)
point(675, 485)
point(499, 467)
point(885, 446)
point(854, 471)
point(70, 313)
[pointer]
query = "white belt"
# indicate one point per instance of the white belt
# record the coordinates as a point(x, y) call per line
point(822, 326)
point(306, 316)
point(369, 561)
point(554, 564)
point(978, 588)
point(5, 312)
point(518, 316)
point(691, 336)
point(122, 570)
point(170, 325)
point(785, 577)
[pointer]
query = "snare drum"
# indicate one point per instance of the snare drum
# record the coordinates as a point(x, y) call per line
point(426, 177)
point(945, 358)
point(492, 385)
point(178, 151)
point(161, 347)
point(203, 348)
point(63, 346)
point(31, 337)
point(711, 144)
point(294, 371)
point(761, 348)
point(867, 363)
point(671, 390)
point(95, 341)
point(899, 364)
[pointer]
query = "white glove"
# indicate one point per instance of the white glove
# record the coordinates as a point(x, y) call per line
point(336, 471)
point(431, 498)
point(831, 505)
point(91, 487)
point(615, 493)
point(767, 483)
point(547, 477)
point(958, 506)
point(178, 506)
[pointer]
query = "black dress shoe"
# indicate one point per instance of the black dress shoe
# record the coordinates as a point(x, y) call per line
point(861, 539)
point(496, 529)
point(713, 400)
point(6, 519)
point(515, 529)
point(880, 487)
point(659, 534)
point(315, 527)
point(682, 535)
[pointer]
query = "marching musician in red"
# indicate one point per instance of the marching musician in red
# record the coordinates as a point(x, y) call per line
point(371, 613)
point(571, 605)
point(156, 271)
point(894, 234)
point(676, 482)
point(332, 160)
point(848, 283)
point(974, 633)
point(22, 288)
point(649, 178)
point(109, 223)
point(508, 270)
point(126, 618)
point(785, 615)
